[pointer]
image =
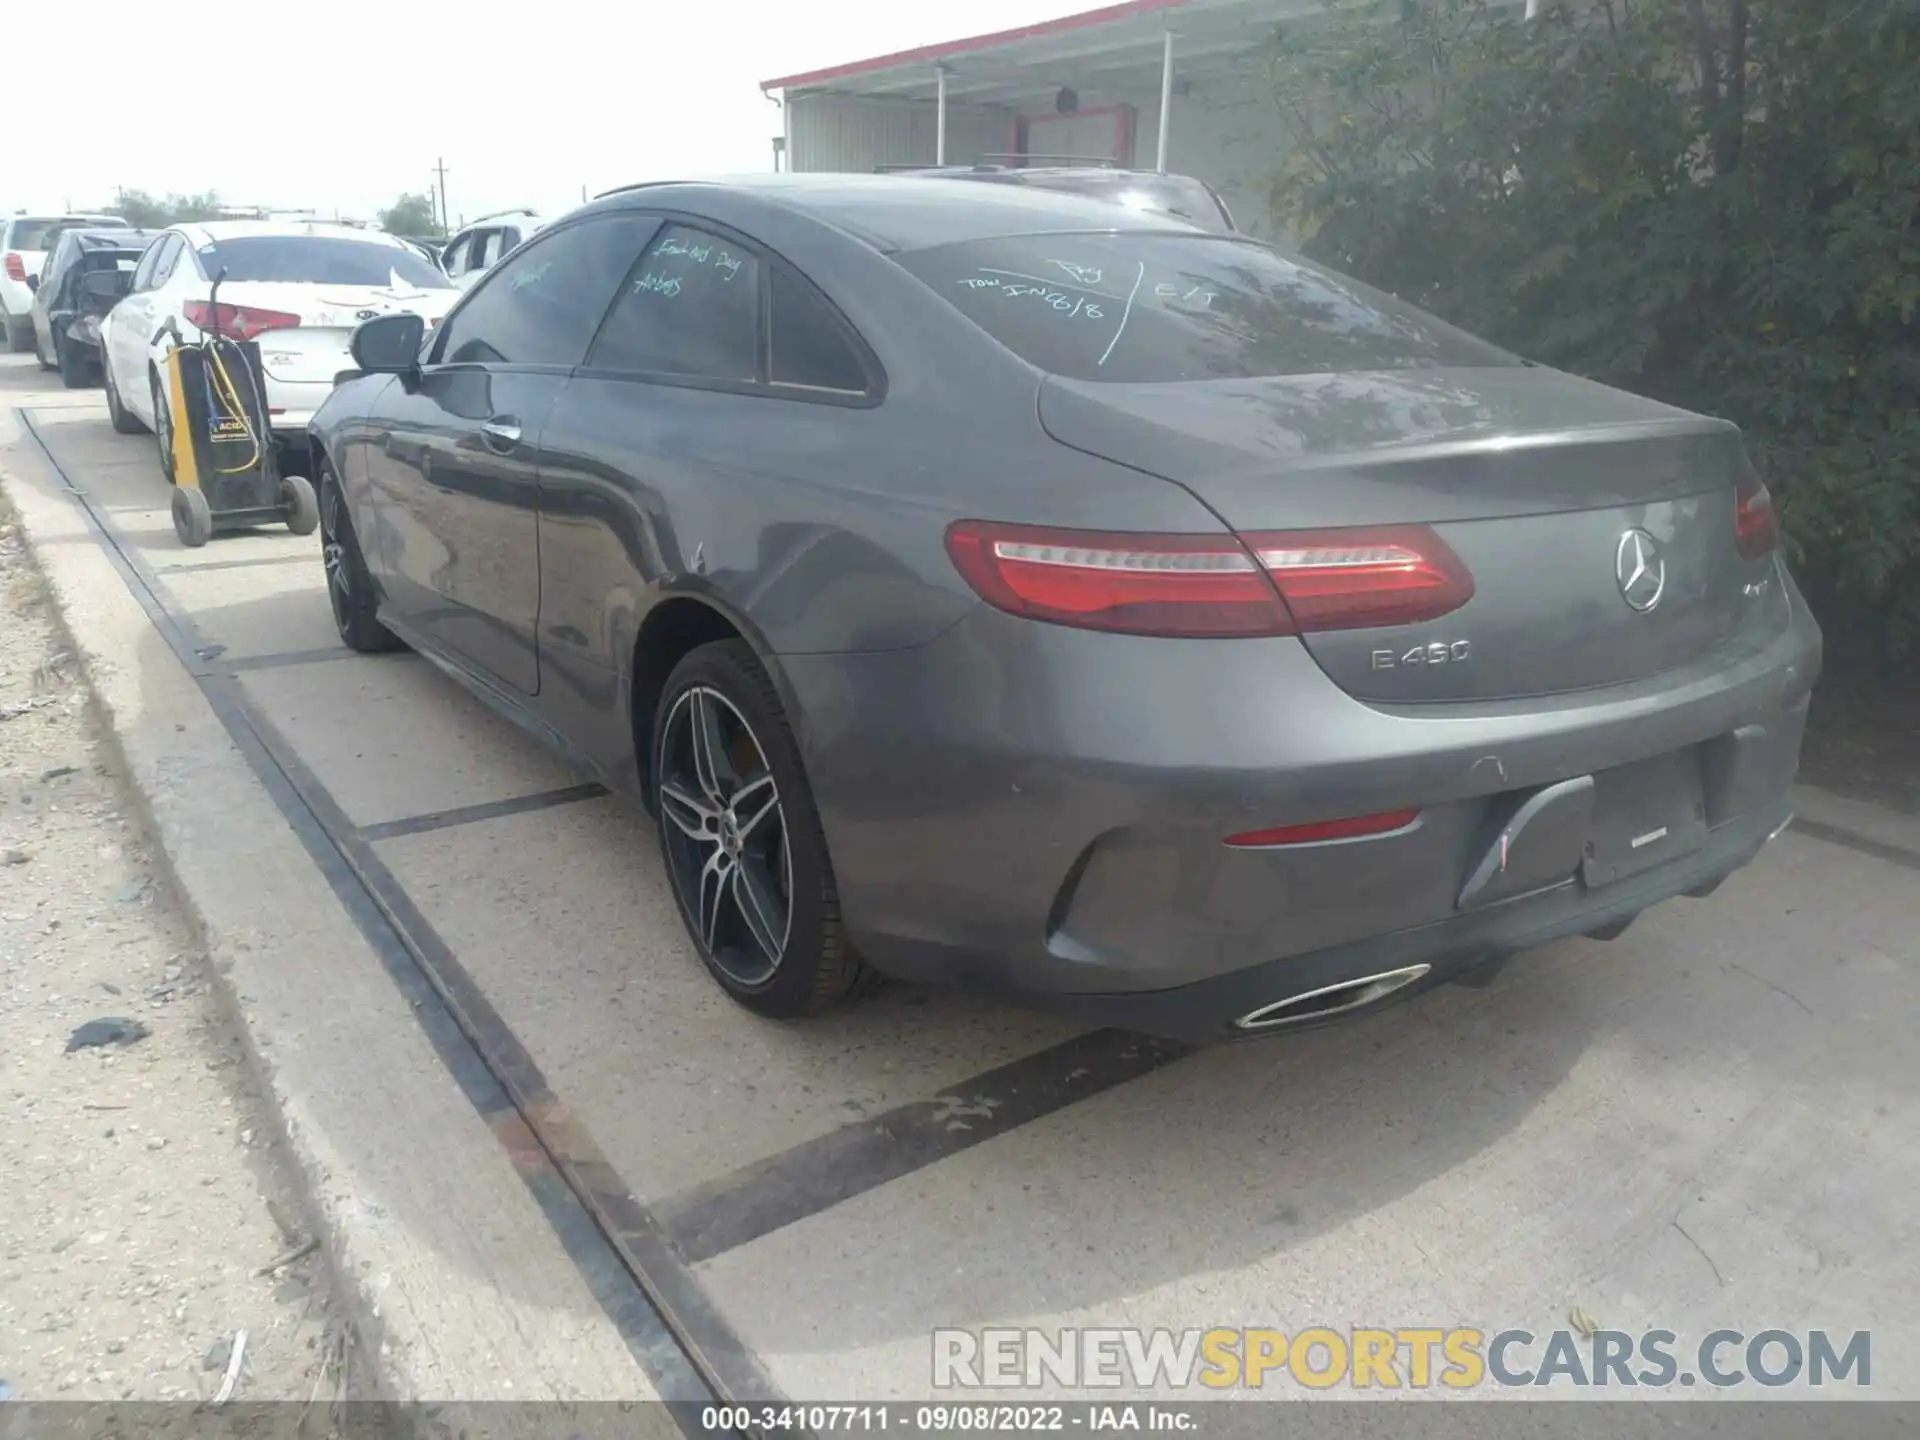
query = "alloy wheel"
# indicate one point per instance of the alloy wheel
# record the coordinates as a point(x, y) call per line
point(726, 835)
point(334, 553)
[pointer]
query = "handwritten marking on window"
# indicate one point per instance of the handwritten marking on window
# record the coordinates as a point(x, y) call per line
point(1070, 306)
point(1198, 294)
point(722, 261)
point(530, 276)
point(1085, 274)
point(651, 283)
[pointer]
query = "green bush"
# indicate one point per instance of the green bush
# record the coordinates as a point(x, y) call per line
point(1712, 202)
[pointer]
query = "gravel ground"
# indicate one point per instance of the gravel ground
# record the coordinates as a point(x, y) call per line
point(142, 1202)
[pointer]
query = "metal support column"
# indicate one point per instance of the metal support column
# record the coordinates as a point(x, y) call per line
point(1166, 100)
point(940, 117)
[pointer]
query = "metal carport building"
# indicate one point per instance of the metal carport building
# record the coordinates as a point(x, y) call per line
point(1170, 84)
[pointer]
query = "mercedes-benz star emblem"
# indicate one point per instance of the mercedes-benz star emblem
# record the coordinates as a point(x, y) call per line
point(1640, 570)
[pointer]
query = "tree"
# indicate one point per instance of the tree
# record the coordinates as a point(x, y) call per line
point(1712, 202)
point(411, 215)
point(142, 211)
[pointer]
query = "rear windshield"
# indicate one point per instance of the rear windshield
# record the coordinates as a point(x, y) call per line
point(1152, 308)
point(1180, 196)
point(319, 260)
point(40, 233)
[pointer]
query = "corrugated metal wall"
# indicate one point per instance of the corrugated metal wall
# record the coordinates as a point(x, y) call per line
point(838, 132)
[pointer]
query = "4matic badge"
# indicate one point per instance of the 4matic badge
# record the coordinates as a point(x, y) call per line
point(1439, 652)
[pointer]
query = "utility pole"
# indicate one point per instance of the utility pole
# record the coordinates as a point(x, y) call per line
point(440, 169)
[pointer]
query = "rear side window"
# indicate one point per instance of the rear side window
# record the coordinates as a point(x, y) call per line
point(541, 307)
point(691, 307)
point(1145, 307)
point(809, 345)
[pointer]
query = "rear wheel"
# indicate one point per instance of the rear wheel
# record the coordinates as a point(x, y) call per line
point(303, 510)
point(349, 586)
point(192, 516)
point(162, 427)
point(124, 421)
point(19, 333)
point(742, 841)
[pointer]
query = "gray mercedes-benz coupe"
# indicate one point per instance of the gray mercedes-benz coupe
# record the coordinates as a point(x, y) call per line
point(991, 586)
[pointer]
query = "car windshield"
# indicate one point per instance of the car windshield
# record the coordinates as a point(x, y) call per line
point(1149, 307)
point(318, 260)
point(1180, 196)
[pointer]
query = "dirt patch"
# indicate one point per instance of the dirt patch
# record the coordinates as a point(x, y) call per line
point(148, 1221)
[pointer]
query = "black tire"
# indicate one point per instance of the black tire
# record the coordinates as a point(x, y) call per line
point(162, 427)
point(192, 516)
point(349, 585)
point(76, 365)
point(123, 420)
point(19, 334)
point(303, 509)
point(814, 967)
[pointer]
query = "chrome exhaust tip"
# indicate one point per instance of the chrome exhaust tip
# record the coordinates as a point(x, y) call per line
point(1331, 1000)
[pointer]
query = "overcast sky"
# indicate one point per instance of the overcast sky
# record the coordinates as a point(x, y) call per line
point(345, 104)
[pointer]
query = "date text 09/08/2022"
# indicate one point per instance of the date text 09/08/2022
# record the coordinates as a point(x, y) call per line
point(976, 1418)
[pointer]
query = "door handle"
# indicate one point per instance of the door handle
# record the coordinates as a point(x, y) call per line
point(502, 434)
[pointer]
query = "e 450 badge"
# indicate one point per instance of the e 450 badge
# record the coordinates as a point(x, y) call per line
point(1438, 652)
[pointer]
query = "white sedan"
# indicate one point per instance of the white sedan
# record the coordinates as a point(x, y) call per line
point(297, 289)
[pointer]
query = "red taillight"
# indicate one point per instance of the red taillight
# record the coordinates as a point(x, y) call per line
point(1192, 585)
point(1280, 583)
point(1756, 530)
point(238, 322)
point(16, 267)
point(1357, 579)
point(1318, 832)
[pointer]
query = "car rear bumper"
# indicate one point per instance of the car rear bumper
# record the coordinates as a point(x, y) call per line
point(1042, 811)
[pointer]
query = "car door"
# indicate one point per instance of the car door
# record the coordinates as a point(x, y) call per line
point(130, 333)
point(455, 461)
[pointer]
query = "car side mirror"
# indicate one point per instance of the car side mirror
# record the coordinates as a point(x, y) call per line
point(388, 344)
point(105, 284)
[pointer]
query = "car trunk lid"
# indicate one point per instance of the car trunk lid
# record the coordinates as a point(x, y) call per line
point(316, 349)
point(1598, 527)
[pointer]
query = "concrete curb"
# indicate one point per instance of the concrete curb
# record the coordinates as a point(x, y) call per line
point(452, 1280)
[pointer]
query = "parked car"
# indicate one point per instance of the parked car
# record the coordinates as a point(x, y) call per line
point(24, 242)
point(984, 585)
point(1181, 196)
point(69, 304)
point(479, 247)
point(427, 247)
point(298, 288)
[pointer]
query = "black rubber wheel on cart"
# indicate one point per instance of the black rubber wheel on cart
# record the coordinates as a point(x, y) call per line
point(192, 516)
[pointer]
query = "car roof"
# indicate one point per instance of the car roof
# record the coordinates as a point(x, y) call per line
point(913, 212)
point(206, 232)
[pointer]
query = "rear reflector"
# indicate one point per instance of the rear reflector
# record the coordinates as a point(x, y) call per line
point(16, 268)
point(1355, 828)
point(1355, 579)
point(1192, 585)
point(1756, 530)
point(238, 322)
point(1280, 583)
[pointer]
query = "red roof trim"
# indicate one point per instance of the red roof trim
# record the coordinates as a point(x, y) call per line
point(1123, 11)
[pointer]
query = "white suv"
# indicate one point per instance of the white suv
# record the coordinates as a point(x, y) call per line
point(24, 243)
point(478, 248)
